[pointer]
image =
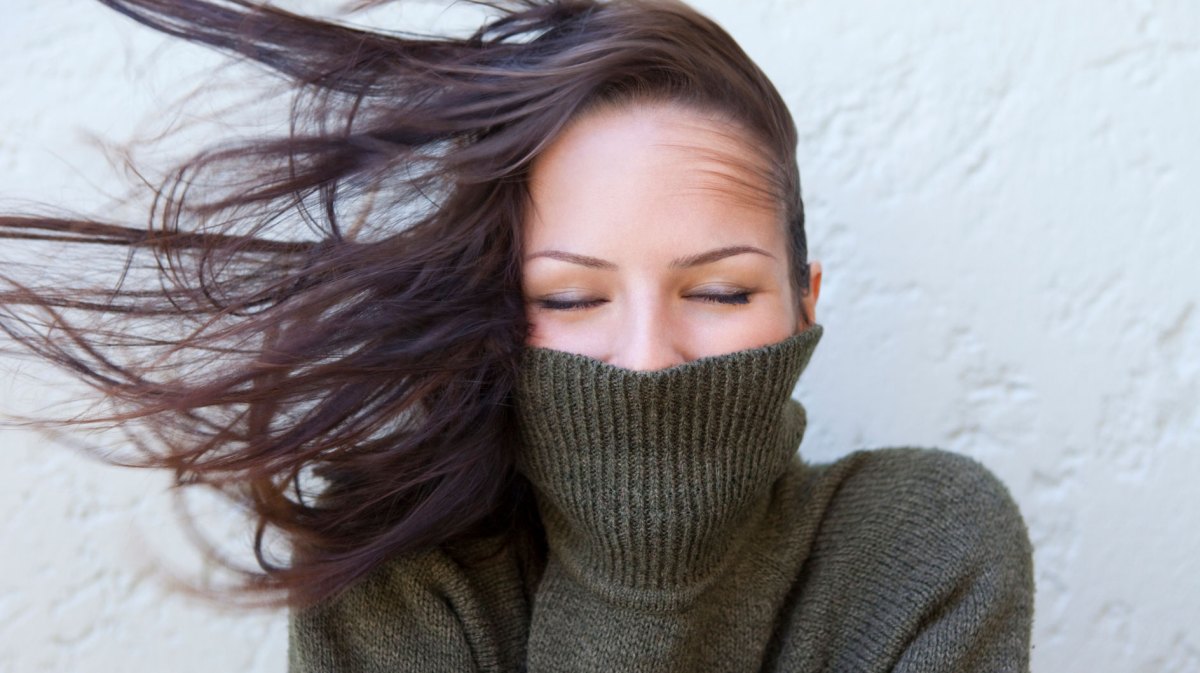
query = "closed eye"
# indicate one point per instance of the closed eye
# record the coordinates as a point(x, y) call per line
point(732, 298)
point(724, 297)
point(567, 304)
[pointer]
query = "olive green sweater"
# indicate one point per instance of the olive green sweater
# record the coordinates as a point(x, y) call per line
point(685, 533)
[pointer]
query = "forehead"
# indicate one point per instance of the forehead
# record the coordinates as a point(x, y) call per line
point(654, 156)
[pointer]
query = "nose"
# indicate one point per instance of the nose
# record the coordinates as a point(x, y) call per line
point(646, 340)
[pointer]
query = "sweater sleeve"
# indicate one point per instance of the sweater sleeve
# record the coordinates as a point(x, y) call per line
point(427, 612)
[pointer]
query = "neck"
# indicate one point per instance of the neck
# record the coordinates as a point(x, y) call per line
point(648, 481)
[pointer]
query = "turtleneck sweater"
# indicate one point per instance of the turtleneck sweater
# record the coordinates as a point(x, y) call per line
point(685, 533)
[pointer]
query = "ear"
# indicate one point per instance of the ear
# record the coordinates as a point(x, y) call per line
point(814, 292)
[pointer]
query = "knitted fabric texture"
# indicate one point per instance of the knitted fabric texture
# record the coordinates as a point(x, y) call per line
point(685, 533)
point(649, 481)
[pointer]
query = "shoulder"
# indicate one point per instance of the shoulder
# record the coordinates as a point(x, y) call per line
point(937, 491)
point(922, 517)
point(466, 576)
point(920, 555)
point(457, 605)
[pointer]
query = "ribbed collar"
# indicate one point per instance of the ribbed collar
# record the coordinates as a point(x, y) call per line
point(648, 481)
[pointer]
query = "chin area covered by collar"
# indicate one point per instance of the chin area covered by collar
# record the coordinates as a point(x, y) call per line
point(646, 480)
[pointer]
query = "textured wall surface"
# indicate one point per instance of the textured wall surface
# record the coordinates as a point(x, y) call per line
point(1004, 197)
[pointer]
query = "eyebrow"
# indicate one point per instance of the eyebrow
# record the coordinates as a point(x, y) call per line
point(686, 262)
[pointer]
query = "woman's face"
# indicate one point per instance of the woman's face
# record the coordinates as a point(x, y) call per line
point(650, 243)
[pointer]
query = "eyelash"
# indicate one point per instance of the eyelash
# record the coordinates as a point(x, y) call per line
point(732, 298)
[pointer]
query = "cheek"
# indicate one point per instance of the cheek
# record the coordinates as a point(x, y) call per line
point(767, 323)
point(583, 336)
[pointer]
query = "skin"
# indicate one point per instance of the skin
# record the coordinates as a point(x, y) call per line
point(650, 242)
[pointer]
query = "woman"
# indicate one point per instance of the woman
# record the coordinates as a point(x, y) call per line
point(522, 399)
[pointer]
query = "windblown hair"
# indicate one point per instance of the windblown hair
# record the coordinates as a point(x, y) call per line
point(348, 382)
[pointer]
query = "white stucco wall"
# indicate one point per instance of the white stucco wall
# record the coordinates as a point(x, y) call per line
point(1004, 197)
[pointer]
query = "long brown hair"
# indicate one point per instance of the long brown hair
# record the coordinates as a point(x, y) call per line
point(367, 357)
